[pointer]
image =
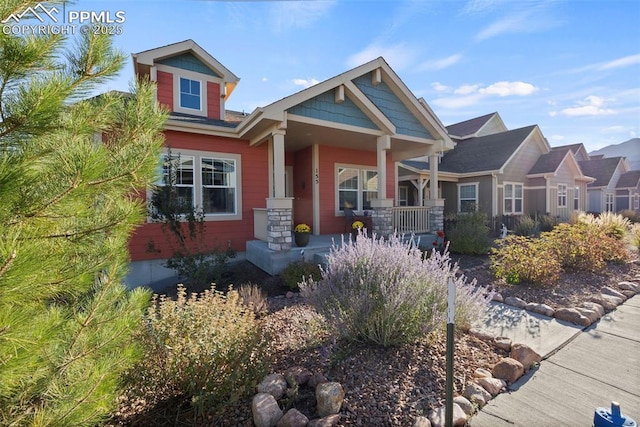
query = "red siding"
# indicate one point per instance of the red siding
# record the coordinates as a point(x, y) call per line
point(254, 193)
point(165, 89)
point(330, 223)
point(213, 101)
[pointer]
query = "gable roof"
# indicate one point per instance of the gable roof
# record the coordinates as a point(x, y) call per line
point(602, 169)
point(349, 83)
point(469, 128)
point(578, 150)
point(630, 179)
point(143, 61)
point(549, 162)
point(484, 153)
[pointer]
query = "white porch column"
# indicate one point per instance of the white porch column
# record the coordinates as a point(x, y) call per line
point(433, 177)
point(278, 165)
point(383, 144)
point(436, 213)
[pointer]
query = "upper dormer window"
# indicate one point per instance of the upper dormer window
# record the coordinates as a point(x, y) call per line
point(190, 94)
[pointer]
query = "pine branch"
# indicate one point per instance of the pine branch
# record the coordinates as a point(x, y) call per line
point(7, 263)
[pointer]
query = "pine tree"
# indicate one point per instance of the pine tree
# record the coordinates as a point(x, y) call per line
point(70, 168)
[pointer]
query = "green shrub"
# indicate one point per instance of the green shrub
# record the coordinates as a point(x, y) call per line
point(383, 292)
point(527, 226)
point(207, 349)
point(520, 259)
point(254, 297)
point(297, 271)
point(201, 268)
point(583, 246)
point(468, 233)
point(546, 222)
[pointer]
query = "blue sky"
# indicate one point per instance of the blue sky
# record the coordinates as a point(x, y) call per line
point(572, 67)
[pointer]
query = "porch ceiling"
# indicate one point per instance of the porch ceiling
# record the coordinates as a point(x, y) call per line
point(300, 135)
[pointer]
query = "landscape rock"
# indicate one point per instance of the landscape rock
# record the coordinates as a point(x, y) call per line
point(437, 416)
point(610, 291)
point(502, 343)
point(290, 295)
point(515, 302)
point(464, 404)
point(484, 336)
point(525, 355)
point(422, 422)
point(543, 309)
point(293, 418)
point(594, 307)
point(628, 294)
point(482, 373)
point(328, 421)
point(265, 410)
point(589, 314)
point(475, 393)
point(497, 297)
point(316, 379)
point(493, 385)
point(508, 369)
point(329, 398)
point(300, 374)
point(629, 286)
point(572, 315)
point(608, 302)
point(274, 384)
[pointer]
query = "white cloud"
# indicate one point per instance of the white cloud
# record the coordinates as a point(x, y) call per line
point(265, 79)
point(621, 62)
point(613, 129)
point(557, 138)
point(399, 56)
point(466, 89)
point(306, 82)
point(511, 24)
point(439, 87)
point(297, 14)
point(509, 89)
point(454, 102)
point(590, 106)
point(439, 64)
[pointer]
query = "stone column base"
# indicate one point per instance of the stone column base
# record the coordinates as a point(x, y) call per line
point(279, 223)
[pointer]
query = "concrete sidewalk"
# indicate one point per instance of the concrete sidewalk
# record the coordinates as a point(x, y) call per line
point(589, 369)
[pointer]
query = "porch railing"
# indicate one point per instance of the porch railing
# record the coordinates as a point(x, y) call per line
point(411, 219)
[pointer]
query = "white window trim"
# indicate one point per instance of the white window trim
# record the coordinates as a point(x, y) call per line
point(201, 95)
point(606, 202)
point(192, 75)
point(636, 202)
point(562, 193)
point(197, 178)
point(477, 202)
point(576, 198)
point(513, 198)
point(360, 191)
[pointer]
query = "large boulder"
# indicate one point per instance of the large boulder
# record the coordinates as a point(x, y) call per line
point(293, 418)
point(492, 385)
point(437, 416)
point(515, 302)
point(329, 398)
point(508, 369)
point(525, 355)
point(476, 394)
point(328, 421)
point(274, 384)
point(265, 410)
point(572, 315)
point(539, 308)
point(464, 404)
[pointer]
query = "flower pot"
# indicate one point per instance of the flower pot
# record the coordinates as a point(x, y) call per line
point(301, 239)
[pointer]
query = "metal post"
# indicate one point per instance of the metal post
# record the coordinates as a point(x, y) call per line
point(448, 413)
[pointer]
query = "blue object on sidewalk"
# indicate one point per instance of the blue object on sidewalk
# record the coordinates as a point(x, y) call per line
point(603, 417)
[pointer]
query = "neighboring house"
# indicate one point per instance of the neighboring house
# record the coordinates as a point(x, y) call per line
point(301, 159)
point(501, 172)
point(628, 191)
point(602, 191)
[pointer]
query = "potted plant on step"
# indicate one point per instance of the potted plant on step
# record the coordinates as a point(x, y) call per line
point(301, 235)
point(356, 226)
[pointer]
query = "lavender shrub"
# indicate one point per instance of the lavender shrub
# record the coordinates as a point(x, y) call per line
point(385, 292)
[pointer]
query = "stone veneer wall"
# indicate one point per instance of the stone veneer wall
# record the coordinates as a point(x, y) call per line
point(436, 218)
point(279, 222)
point(382, 221)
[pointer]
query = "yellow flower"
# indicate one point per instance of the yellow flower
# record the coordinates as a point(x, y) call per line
point(357, 225)
point(302, 228)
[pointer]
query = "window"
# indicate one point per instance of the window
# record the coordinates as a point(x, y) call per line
point(356, 188)
point(608, 202)
point(190, 94)
point(218, 185)
point(512, 198)
point(636, 202)
point(576, 198)
point(208, 182)
point(467, 197)
point(178, 171)
point(403, 196)
point(562, 195)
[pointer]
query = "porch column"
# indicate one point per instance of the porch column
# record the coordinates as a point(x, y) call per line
point(436, 205)
point(279, 207)
point(382, 218)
